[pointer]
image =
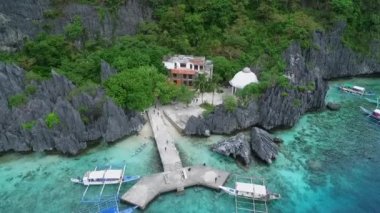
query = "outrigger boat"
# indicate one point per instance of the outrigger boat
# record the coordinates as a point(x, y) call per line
point(374, 115)
point(250, 190)
point(357, 90)
point(101, 177)
point(251, 194)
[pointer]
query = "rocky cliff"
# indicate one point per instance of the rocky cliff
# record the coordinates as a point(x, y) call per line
point(307, 70)
point(83, 116)
point(20, 19)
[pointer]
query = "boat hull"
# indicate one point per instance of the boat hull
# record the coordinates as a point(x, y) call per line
point(268, 197)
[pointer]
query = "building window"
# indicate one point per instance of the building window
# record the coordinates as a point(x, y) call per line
point(195, 67)
point(190, 83)
point(184, 76)
point(175, 65)
point(182, 65)
point(174, 75)
point(175, 81)
point(190, 76)
point(201, 67)
point(191, 66)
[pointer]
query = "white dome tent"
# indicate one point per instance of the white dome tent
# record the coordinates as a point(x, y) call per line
point(242, 79)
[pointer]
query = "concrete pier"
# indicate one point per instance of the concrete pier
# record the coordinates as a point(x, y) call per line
point(175, 177)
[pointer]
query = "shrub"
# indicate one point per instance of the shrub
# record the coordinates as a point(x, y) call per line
point(17, 100)
point(230, 103)
point(297, 103)
point(88, 87)
point(51, 14)
point(75, 29)
point(32, 76)
point(30, 89)
point(28, 125)
point(52, 119)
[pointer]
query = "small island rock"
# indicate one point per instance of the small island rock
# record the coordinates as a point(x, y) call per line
point(236, 146)
point(262, 144)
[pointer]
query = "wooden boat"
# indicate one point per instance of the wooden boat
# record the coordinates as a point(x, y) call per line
point(101, 177)
point(374, 115)
point(357, 90)
point(252, 191)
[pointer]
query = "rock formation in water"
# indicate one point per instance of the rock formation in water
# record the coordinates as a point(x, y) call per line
point(27, 18)
point(307, 71)
point(236, 146)
point(83, 116)
point(333, 106)
point(260, 143)
point(263, 145)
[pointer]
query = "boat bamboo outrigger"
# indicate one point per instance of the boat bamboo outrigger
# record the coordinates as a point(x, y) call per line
point(357, 90)
point(247, 191)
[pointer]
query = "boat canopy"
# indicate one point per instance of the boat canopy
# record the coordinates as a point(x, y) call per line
point(251, 188)
point(362, 89)
point(106, 174)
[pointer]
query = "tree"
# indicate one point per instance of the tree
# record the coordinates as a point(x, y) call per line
point(185, 95)
point(224, 68)
point(201, 84)
point(213, 83)
point(138, 88)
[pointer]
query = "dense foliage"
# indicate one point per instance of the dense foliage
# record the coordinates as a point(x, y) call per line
point(139, 88)
point(234, 34)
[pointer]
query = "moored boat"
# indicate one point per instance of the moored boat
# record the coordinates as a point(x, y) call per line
point(101, 177)
point(374, 115)
point(250, 190)
point(357, 90)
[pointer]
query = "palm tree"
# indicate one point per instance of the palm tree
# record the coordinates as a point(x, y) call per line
point(214, 85)
point(200, 84)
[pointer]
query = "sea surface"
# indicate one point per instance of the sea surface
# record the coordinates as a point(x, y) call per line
point(329, 162)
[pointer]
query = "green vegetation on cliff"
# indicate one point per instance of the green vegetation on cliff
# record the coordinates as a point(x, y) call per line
point(52, 119)
point(234, 34)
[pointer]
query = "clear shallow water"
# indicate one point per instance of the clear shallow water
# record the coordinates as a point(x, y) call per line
point(329, 162)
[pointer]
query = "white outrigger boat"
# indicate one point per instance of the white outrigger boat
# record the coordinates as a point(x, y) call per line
point(250, 190)
point(374, 115)
point(101, 177)
point(251, 194)
point(357, 90)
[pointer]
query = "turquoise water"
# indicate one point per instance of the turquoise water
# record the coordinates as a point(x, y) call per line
point(329, 162)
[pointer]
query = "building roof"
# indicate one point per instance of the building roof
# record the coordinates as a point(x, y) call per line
point(105, 174)
point(251, 188)
point(186, 59)
point(243, 78)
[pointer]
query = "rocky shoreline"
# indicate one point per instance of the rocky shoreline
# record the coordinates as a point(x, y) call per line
point(84, 117)
point(308, 71)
